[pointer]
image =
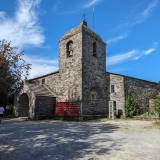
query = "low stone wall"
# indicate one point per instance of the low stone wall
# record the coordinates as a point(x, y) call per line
point(144, 90)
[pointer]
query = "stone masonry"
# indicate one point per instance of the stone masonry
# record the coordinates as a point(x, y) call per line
point(124, 85)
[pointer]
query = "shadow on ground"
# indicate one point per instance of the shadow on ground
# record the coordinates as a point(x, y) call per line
point(51, 140)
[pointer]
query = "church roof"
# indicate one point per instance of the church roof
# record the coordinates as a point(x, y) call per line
point(52, 73)
point(43, 76)
point(131, 77)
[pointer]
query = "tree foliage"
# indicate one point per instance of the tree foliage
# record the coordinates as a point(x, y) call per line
point(159, 84)
point(131, 105)
point(13, 69)
point(157, 105)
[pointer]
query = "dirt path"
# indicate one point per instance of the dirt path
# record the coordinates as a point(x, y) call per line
point(55, 140)
point(137, 140)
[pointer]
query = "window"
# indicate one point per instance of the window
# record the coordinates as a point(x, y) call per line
point(69, 48)
point(112, 88)
point(43, 81)
point(94, 49)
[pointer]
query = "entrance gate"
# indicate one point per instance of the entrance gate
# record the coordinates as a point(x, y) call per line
point(45, 106)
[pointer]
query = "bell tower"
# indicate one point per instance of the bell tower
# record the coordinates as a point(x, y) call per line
point(70, 64)
point(82, 66)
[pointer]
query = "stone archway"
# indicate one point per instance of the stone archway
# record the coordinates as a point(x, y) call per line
point(23, 109)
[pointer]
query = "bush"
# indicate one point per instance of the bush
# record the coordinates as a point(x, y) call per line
point(157, 105)
point(131, 105)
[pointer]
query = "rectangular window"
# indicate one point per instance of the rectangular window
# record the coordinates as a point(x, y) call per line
point(112, 88)
point(43, 81)
point(94, 49)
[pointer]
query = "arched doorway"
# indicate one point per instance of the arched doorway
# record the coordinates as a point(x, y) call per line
point(23, 105)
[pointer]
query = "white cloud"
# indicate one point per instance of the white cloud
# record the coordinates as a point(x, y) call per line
point(60, 9)
point(41, 66)
point(146, 12)
point(23, 28)
point(117, 38)
point(133, 20)
point(121, 57)
point(134, 54)
point(150, 51)
point(92, 3)
point(150, 7)
point(137, 16)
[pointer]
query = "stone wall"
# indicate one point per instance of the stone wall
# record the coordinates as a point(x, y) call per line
point(118, 95)
point(144, 90)
point(70, 68)
point(93, 75)
point(31, 96)
point(52, 83)
point(66, 84)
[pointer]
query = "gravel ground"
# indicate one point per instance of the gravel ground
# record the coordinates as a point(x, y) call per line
point(56, 140)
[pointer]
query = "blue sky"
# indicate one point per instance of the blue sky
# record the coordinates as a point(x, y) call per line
point(131, 28)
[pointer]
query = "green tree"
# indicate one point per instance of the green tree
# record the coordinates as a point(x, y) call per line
point(157, 105)
point(13, 70)
point(131, 105)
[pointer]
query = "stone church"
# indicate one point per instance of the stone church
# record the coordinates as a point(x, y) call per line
point(82, 79)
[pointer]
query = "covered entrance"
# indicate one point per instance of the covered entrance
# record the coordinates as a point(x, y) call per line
point(23, 109)
point(45, 106)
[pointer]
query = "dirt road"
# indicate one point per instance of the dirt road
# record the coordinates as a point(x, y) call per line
point(56, 140)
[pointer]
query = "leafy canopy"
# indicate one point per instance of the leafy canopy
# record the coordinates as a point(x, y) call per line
point(13, 68)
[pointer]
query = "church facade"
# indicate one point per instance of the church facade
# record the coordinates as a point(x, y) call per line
point(82, 79)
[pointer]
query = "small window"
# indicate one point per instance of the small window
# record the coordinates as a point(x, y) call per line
point(94, 49)
point(112, 88)
point(69, 48)
point(43, 81)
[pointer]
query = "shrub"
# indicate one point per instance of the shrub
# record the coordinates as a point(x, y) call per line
point(157, 105)
point(131, 105)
